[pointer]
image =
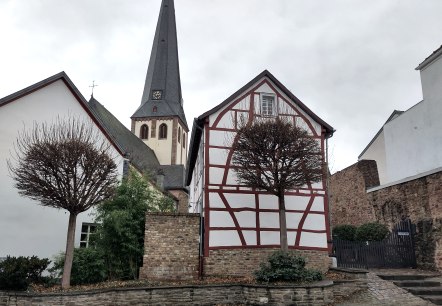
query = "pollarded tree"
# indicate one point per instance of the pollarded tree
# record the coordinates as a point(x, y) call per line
point(65, 165)
point(276, 156)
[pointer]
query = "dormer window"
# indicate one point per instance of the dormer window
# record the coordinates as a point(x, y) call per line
point(268, 105)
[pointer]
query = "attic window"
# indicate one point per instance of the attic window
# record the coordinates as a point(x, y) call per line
point(268, 105)
point(154, 109)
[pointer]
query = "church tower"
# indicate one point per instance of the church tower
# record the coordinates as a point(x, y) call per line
point(160, 121)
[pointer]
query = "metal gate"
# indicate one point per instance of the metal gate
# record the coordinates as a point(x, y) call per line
point(395, 251)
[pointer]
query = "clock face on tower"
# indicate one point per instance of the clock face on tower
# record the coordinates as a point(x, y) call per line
point(157, 94)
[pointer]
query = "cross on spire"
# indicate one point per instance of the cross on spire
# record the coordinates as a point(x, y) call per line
point(93, 86)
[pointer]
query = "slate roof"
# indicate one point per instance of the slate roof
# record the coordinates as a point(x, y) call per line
point(141, 156)
point(124, 141)
point(174, 176)
point(163, 72)
point(198, 123)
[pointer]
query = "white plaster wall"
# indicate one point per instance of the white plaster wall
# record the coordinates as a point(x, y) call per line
point(27, 228)
point(413, 142)
point(431, 79)
point(196, 198)
point(247, 216)
point(377, 152)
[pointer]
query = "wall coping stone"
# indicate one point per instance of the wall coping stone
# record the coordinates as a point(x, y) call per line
point(320, 284)
point(404, 180)
point(173, 214)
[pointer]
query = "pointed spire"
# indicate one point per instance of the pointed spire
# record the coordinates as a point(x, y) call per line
point(162, 88)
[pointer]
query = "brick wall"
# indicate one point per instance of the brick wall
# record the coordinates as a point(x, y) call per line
point(183, 200)
point(419, 199)
point(315, 294)
point(348, 199)
point(171, 244)
point(243, 262)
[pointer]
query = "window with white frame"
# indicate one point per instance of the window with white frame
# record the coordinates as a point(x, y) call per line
point(87, 229)
point(268, 105)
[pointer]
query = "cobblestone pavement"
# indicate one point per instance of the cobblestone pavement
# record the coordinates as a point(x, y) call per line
point(382, 292)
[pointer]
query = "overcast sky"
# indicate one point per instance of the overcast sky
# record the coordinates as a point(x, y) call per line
point(350, 61)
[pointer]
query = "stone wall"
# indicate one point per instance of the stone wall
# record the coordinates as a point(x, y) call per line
point(348, 200)
point(418, 198)
point(243, 262)
point(171, 244)
point(183, 200)
point(315, 294)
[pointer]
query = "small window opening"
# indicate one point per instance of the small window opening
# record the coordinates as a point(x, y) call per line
point(144, 131)
point(163, 131)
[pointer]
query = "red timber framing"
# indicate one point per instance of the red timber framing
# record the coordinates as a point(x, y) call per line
point(224, 189)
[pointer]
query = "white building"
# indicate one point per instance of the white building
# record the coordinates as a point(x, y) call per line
point(157, 144)
point(410, 142)
point(27, 228)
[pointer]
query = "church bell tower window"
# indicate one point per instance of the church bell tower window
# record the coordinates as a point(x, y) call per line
point(163, 131)
point(144, 131)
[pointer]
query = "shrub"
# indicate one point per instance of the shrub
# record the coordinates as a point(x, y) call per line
point(88, 266)
point(284, 266)
point(16, 273)
point(344, 232)
point(120, 234)
point(371, 232)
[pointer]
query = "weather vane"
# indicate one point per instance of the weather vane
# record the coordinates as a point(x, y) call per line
point(93, 86)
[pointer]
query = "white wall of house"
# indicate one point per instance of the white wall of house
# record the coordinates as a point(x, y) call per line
point(376, 151)
point(236, 212)
point(411, 143)
point(27, 228)
point(414, 139)
point(196, 187)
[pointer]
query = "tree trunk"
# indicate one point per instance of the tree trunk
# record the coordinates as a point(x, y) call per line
point(69, 255)
point(282, 223)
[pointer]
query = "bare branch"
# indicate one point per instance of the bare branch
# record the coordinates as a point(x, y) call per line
point(66, 164)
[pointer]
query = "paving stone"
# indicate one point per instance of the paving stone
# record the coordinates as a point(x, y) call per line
point(383, 292)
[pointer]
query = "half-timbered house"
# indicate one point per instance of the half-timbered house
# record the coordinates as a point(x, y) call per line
point(241, 224)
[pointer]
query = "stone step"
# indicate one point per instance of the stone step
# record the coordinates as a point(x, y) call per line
point(425, 290)
point(435, 299)
point(417, 283)
point(401, 277)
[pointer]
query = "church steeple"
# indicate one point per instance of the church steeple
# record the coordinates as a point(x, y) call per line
point(160, 121)
point(162, 89)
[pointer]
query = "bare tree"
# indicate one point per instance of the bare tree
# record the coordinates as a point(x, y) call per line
point(65, 165)
point(276, 156)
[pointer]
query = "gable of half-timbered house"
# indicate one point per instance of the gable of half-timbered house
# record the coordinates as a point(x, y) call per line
point(239, 217)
